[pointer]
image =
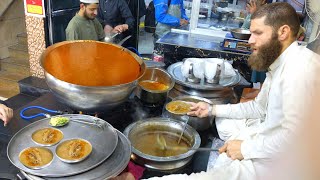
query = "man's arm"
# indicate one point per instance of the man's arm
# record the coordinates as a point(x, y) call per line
point(126, 14)
point(99, 29)
point(161, 9)
point(71, 31)
point(248, 110)
point(183, 12)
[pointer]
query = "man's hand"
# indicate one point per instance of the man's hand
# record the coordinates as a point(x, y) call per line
point(233, 149)
point(120, 28)
point(5, 114)
point(183, 22)
point(251, 6)
point(107, 29)
point(124, 176)
point(200, 109)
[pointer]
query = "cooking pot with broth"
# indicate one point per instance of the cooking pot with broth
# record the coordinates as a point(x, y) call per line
point(146, 151)
point(91, 76)
point(154, 85)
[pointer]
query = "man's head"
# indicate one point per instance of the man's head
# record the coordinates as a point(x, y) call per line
point(89, 8)
point(273, 28)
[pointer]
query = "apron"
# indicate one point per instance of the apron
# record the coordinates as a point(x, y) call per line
point(173, 10)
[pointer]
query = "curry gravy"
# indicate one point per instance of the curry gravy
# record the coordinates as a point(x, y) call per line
point(147, 144)
point(47, 136)
point(153, 85)
point(91, 64)
point(35, 157)
point(74, 149)
point(178, 107)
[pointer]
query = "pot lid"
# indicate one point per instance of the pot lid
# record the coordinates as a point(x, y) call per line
point(175, 71)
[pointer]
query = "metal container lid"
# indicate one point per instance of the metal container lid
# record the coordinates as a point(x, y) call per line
point(175, 71)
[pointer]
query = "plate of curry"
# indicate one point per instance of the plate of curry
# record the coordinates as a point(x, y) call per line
point(36, 157)
point(73, 150)
point(47, 136)
point(178, 107)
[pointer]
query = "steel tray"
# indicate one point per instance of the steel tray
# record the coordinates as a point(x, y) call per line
point(111, 167)
point(104, 142)
point(175, 71)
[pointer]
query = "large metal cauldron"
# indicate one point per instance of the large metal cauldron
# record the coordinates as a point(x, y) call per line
point(91, 76)
point(152, 125)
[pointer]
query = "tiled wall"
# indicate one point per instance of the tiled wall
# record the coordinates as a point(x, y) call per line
point(36, 44)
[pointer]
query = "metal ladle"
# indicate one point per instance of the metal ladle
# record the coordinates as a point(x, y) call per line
point(186, 118)
point(110, 38)
point(163, 145)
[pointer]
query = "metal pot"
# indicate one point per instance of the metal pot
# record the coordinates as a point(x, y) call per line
point(171, 163)
point(154, 96)
point(197, 123)
point(239, 33)
point(57, 59)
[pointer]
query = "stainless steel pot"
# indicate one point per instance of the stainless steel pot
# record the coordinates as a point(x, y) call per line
point(171, 163)
point(239, 33)
point(197, 123)
point(154, 96)
point(88, 98)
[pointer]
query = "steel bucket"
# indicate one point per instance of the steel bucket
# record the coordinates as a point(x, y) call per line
point(73, 81)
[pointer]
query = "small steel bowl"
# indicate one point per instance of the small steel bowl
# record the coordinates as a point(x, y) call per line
point(76, 160)
point(197, 123)
point(36, 167)
point(52, 144)
point(239, 33)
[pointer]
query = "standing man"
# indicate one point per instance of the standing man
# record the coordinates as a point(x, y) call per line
point(84, 25)
point(115, 17)
point(169, 14)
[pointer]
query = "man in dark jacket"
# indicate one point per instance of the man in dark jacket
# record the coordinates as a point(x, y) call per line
point(115, 16)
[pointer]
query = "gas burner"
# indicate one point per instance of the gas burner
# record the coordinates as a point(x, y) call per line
point(149, 105)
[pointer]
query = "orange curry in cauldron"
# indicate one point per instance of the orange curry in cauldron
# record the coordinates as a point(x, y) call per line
point(90, 63)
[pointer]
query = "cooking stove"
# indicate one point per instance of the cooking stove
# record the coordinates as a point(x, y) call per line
point(130, 111)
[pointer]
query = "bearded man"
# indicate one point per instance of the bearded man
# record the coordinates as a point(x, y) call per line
point(257, 131)
point(84, 25)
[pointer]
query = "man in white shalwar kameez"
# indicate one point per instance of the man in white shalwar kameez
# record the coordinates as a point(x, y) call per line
point(257, 131)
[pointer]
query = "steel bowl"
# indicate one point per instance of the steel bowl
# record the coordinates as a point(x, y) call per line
point(170, 163)
point(88, 98)
point(154, 96)
point(239, 33)
point(197, 123)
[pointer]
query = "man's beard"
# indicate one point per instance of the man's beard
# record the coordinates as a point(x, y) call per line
point(87, 16)
point(266, 54)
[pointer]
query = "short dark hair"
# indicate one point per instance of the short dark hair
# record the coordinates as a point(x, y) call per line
point(278, 14)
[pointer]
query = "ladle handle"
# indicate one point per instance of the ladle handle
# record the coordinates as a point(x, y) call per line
point(37, 115)
point(204, 149)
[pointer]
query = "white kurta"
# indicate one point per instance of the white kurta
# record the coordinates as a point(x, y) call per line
point(265, 124)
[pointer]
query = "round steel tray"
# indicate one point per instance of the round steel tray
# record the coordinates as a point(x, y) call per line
point(103, 140)
point(175, 71)
point(111, 167)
